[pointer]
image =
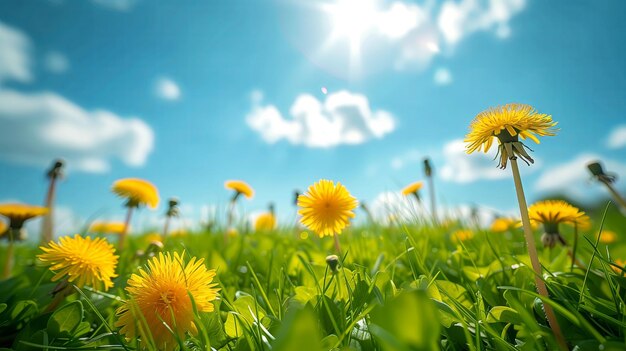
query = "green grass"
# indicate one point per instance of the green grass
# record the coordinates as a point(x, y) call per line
point(400, 287)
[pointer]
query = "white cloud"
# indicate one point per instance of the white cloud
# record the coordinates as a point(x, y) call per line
point(617, 138)
point(167, 89)
point(421, 32)
point(15, 59)
point(460, 167)
point(117, 5)
point(56, 62)
point(459, 19)
point(574, 179)
point(369, 35)
point(343, 118)
point(39, 127)
point(400, 19)
point(442, 76)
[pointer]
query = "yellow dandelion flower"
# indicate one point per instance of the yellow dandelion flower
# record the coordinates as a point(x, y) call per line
point(231, 232)
point(180, 232)
point(508, 123)
point(462, 235)
point(551, 213)
point(608, 236)
point(20, 213)
point(82, 260)
point(503, 224)
point(137, 192)
point(153, 236)
point(160, 294)
point(325, 208)
point(412, 188)
point(240, 187)
point(265, 222)
point(3, 228)
point(107, 227)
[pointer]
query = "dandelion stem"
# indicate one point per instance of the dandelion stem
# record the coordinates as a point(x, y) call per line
point(433, 201)
point(337, 246)
point(122, 241)
point(60, 295)
point(46, 226)
point(10, 255)
point(532, 252)
point(616, 196)
point(166, 226)
point(231, 215)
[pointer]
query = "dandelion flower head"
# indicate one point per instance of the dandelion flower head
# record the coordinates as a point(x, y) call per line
point(107, 227)
point(137, 192)
point(265, 222)
point(19, 213)
point(412, 188)
point(326, 208)
point(84, 261)
point(554, 212)
point(240, 187)
point(508, 123)
point(161, 294)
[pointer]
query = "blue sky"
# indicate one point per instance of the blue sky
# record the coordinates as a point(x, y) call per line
point(188, 94)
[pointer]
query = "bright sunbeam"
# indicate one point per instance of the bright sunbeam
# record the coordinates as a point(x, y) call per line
point(352, 18)
point(351, 21)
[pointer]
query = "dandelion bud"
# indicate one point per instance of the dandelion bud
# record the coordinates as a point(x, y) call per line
point(428, 170)
point(172, 209)
point(552, 236)
point(56, 171)
point(550, 239)
point(333, 262)
point(296, 194)
point(173, 201)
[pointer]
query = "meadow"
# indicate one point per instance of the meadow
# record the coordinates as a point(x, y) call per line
point(418, 282)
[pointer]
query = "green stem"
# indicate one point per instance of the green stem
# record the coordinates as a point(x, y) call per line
point(433, 200)
point(337, 246)
point(532, 252)
point(166, 226)
point(10, 256)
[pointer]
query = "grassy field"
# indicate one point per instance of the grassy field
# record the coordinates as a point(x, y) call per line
point(402, 286)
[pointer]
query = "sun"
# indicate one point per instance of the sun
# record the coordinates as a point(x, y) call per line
point(351, 20)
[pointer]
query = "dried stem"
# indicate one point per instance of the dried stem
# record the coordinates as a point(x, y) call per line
point(616, 196)
point(534, 259)
point(166, 226)
point(231, 215)
point(47, 223)
point(122, 241)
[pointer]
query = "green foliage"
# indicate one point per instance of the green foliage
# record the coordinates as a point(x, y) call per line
point(407, 322)
point(408, 287)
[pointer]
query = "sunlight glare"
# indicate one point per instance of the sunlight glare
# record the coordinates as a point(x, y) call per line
point(353, 18)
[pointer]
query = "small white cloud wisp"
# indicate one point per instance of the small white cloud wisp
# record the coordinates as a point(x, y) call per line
point(167, 89)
